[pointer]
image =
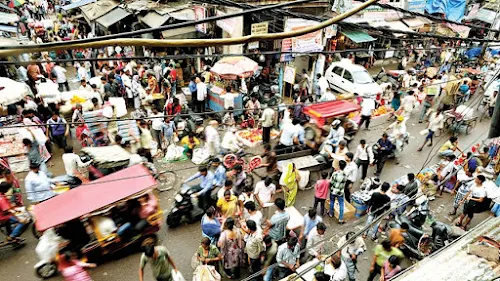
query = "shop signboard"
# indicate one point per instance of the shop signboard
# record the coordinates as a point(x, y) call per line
point(417, 6)
point(286, 46)
point(258, 28)
point(331, 31)
point(200, 14)
point(289, 75)
point(311, 42)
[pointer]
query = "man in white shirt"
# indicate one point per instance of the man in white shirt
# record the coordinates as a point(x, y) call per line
point(230, 142)
point(363, 157)
point(156, 125)
point(267, 121)
point(201, 94)
point(38, 187)
point(22, 74)
point(351, 172)
point(72, 161)
point(264, 194)
point(336, 269)
point(212, 138)
point(84, 86)
point(367, 107)
point(327, 96)
point(315, 243)
point(289, 137)
point(61, 77)
point(408, 104)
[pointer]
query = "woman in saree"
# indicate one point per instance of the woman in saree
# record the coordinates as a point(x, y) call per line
point(291, 179)
point(83, 134)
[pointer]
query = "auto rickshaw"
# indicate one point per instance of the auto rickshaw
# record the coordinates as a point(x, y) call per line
point(100, 218)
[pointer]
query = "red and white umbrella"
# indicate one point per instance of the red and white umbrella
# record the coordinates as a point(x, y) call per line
point(234, 67)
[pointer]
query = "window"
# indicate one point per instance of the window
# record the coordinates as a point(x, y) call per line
point(338, 70)
point(348, 76)
point(362, 77)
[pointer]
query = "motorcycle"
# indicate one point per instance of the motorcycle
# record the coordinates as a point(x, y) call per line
point(419, 244)
point(47, 249)
point(186, 207)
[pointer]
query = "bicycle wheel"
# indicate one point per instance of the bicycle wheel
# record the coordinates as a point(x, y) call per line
point(166, 180)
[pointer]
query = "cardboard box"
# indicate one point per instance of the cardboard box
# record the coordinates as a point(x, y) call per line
point(349, 210)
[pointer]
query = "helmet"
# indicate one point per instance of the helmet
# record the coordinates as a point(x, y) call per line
point(336, 122)
point(401, 118)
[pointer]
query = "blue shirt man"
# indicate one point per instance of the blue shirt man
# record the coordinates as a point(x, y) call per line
point(220, 173)
point(207, 180)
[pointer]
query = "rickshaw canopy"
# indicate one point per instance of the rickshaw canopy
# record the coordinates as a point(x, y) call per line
point(92, 196)
point(321, 111)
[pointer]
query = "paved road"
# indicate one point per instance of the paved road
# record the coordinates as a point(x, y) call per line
point(183, 241)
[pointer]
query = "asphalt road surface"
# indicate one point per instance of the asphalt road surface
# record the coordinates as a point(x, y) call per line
point(183, 241)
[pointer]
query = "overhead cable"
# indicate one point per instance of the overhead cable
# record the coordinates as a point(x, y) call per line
point(101, 42)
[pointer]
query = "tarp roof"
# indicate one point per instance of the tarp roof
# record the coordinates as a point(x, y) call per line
point(356, 35)
point(77, 4)
point(331, 108)
point(394, 25)
point(8, 28)
point(416, 22)
point(8, 17)
point(153, 19)
point(179, 31)
point(112, 17)
point(98, 9)
point(92, 196)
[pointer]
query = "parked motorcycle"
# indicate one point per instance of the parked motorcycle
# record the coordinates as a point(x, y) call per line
point(46, 250)
point(186, 207)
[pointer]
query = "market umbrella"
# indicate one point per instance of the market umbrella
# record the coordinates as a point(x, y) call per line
point(16, 3)
point(235, 67)
point(12, 91)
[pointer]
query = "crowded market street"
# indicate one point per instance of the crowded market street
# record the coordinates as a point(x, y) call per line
point(226, 140)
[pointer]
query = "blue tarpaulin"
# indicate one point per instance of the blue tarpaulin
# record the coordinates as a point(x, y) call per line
point(452, 9)
point(472, 53)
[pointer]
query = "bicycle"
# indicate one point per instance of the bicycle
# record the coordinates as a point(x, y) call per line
point(166, 180)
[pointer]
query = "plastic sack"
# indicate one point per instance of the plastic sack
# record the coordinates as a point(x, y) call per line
point(48, 245)
point(174, 152)
point(177, 276)
point(304, 180)
point(200, 155)
point(424, 132)
point(206, 273)
point(40, 136)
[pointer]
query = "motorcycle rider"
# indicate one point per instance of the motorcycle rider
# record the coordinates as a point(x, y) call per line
point(397, 131)
point(384, 148)
point(336, 134)
point(206, 184)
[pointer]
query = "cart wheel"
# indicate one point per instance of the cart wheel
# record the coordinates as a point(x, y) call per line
point(166, 180)
point(448, 122)
point(229, 160)
point(470, 127)
point(35, 232)
point(46, 270)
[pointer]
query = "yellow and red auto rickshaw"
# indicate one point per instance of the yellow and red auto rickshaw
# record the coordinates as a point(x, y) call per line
point(100, 217)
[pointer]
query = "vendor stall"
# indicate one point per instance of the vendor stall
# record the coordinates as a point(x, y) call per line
point(253, 137)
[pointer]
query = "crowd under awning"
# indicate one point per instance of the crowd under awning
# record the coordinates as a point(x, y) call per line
point(77, 4)
point(357, 36)
point(113, 17)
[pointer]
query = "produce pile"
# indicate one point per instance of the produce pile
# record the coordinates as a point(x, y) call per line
point(252, 137)
point(381, 110)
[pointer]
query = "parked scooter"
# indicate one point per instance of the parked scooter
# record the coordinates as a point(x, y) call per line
point(47, 249)
point(186, 207)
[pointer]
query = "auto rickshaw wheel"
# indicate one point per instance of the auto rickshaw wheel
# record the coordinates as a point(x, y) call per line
point(46, 270)
point(35, 232)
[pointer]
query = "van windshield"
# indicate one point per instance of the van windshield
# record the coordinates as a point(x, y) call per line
point(362, 77)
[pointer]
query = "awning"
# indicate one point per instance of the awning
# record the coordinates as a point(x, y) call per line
point(357, 36)
point(92, 196)
point(8, 18)
point(113, 17)
point(8, 28)
point(77, 4)
point(187, 30)
point(416, 23)
point(394, 25)
point(153, 19)
point(184, 15)
point(98, 9)
point(484, 15)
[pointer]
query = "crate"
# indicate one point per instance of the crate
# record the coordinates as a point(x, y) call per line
point(349, 210)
